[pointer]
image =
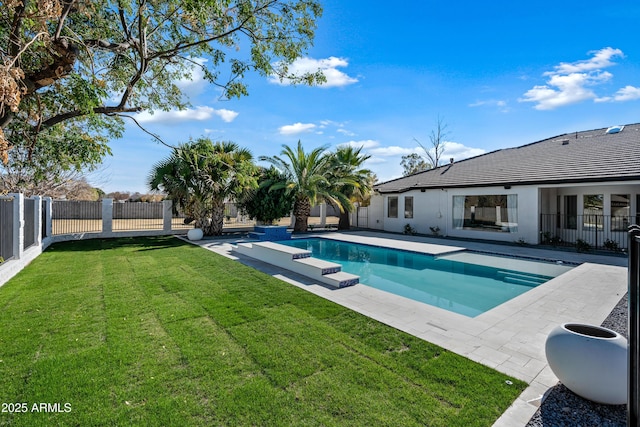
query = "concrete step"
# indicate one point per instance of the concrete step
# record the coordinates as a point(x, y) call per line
point(340, 279)
point(299, 261)
point(314, 267)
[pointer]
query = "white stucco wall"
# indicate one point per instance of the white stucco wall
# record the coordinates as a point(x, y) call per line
point(434, 208)
point(376, 212)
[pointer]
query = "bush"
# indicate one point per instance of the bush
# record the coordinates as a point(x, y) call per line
point(265, 204)
point(583, 246)
point(408, 229)
point(611, 245)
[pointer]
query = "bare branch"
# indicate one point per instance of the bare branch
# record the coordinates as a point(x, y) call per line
point(155, 136)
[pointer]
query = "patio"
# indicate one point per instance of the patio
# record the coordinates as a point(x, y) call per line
point(509, 338)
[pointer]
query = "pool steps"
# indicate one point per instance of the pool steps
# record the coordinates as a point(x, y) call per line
point(299, 261)
point(520, 278)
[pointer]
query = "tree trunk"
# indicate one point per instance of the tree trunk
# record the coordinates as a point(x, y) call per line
point(217, 218)
point(343, 222)
point(301, 210)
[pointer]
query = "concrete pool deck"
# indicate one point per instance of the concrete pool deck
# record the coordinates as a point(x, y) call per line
point(509, 338)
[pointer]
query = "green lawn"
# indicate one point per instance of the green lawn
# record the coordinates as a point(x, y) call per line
point(159, 332)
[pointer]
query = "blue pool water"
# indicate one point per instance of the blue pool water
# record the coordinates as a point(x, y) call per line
point(463, 282)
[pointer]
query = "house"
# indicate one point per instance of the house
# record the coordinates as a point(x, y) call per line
point(578, 187)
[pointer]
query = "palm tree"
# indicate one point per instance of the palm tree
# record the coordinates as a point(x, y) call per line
point(200, 175)
point(308, 179)
point(350, 179)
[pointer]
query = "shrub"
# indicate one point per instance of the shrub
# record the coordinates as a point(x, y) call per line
point(408, 229)
point(611, 245)
point(265, 204)
point(583, 246)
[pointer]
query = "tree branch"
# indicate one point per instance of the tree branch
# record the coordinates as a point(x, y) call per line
point(155, 136)
point(78, 113)
point(68, 5)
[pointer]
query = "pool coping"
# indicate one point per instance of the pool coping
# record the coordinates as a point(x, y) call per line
point(509, 338)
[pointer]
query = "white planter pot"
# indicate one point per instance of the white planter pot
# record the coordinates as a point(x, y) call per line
point(195, 234)
point(589, 360)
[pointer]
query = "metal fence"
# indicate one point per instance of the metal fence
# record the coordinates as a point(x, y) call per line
point(131, 216)
point(633, 383)
point(6, 228)
point(72, 216)
point(29, 223)
point(45, 208)
point(362, 217)
point(586, 232)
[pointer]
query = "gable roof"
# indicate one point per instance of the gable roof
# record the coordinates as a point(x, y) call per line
point(588, 156)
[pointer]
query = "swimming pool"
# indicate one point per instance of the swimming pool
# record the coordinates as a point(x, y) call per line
point(463, 282)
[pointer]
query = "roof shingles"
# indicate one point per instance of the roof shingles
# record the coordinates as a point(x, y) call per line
point(589, 156)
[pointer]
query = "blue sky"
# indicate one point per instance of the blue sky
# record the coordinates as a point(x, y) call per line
point(499, 74)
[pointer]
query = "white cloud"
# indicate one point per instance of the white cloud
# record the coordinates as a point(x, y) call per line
point(392, 151)
point(460, 151)
point(328, 66)
point(601, 59)
point(296, 128)
point(627, 93)
point(498, 103)
point(227, 116)
point(377, 151)
point(345, 132)
point(194, 85)
point(373, 160)
point(200, 113)
point(570, 83)
point(366, 144)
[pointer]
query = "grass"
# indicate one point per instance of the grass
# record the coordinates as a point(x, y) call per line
point(158, 332)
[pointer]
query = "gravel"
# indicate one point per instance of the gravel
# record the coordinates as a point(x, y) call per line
point(564, 408)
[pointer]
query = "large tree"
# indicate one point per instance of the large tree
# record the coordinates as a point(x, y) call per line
point(350, 178)
point(72, 70)
point(309, 179)
point(414, 163)
point(201, 175)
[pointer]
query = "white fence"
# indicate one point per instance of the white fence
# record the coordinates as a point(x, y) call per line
point(29, 225)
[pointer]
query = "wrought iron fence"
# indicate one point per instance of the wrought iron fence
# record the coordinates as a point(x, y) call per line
point(73, 216)
point(29, 223)
point(586, 232)
point(362, 217)
point(633, 383)
point(6, 228)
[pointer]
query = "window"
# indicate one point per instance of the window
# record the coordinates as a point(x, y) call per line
point(620, 210)
point(408, 207)
point(593, 208)
point(571, 212)
point(486, 213)
point(392, 207)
